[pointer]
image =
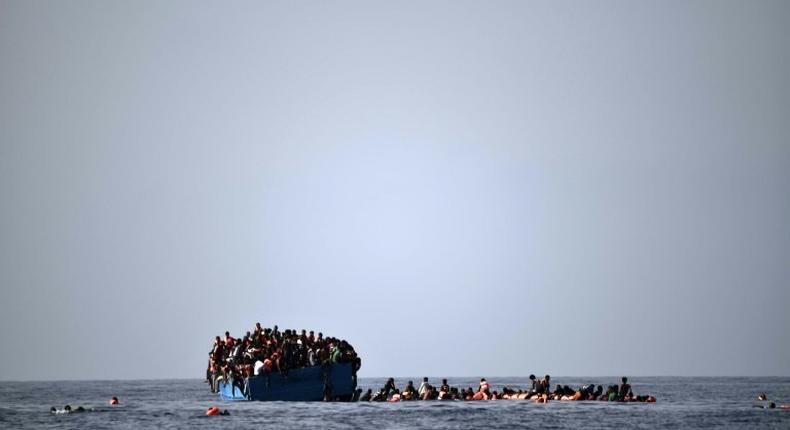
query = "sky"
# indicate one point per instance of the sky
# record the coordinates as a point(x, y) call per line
point(457, 188)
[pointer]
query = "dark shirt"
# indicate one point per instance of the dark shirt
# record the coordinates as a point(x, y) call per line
point(624, 390)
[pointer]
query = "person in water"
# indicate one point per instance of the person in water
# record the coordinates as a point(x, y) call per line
point(67, 410)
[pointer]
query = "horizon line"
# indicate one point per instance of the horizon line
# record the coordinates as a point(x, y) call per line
point(630, 377)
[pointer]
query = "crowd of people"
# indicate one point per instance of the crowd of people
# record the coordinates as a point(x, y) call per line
point(266, 350)
point(539, 392)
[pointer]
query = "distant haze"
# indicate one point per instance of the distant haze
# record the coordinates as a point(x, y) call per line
point(457, 188)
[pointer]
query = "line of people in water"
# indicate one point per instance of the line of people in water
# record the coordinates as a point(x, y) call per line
point(68, 409)
point(764, 403)
point(539, 392)
point(265, 350)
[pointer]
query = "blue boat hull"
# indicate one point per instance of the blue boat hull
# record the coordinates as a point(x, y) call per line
point(300, 385)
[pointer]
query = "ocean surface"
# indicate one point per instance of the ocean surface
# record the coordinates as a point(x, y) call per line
point(695, 403)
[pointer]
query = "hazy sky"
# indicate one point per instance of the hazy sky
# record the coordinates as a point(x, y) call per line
point(457, 188)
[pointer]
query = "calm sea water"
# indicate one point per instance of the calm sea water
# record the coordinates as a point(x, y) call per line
point(682, 403)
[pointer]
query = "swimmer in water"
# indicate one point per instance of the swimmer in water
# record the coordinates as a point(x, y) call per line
point(214, 411)
point(67, 410)
point(113, 401)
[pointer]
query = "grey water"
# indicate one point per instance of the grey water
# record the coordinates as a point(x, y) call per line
point(695, 403)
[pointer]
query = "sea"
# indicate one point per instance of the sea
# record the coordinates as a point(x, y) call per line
point(688, 402)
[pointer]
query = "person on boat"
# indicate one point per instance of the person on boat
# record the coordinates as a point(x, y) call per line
point(335, 354)
point(483, 385)
point(614, 393)
point(483, 391)
point(257, 368)
point(427, 392)
point(367, 396)
point(395, 397)
point(380, 396)
point(389, 387)
point(625, 390)
point(409, 393)
point(546, 384)
point(323, 356)
point(444, 391)
point(536, 386)
point(219, 347)
point(229, 340)
point(423, 386)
